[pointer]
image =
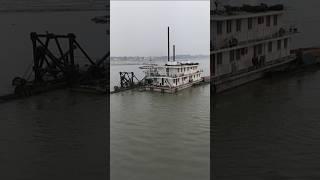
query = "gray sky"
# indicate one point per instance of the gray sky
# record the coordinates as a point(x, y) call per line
point(139, 28)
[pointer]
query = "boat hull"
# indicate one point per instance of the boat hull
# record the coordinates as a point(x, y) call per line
point(231, 82)
point(170, 89)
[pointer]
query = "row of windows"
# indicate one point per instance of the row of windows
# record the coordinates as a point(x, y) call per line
point(178, 79)
point(236, 54)
point(261, 20)
point(184, 69)
point(279, 45)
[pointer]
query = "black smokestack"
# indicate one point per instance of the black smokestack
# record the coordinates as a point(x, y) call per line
point(168, 43)
point(174, 53)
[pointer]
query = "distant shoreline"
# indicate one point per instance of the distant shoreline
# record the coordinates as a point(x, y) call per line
point(56, 9)
point(160, 57)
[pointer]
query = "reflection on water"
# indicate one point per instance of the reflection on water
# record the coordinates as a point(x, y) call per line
point(160, 136)
point(272, 132)
point(57, 135)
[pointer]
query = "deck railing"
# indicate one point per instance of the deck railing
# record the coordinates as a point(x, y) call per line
point(175, 75)
point(252, 68)
point(232, 42)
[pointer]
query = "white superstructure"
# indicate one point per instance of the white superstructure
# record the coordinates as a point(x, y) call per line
point(172, 76)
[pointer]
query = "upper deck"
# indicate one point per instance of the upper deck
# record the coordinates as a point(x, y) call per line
point(176, 64)
point(173, 69)
point(242, 15)
point(245, 11)
point(246, 24)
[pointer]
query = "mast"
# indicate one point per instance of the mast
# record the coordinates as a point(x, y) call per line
point(168, 44)
point(174, 53)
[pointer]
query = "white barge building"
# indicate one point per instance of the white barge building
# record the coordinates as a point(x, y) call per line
point(246, 42)
point(173, 76)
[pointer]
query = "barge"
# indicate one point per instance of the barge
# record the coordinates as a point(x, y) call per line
point(172, 76)
point(247, 43)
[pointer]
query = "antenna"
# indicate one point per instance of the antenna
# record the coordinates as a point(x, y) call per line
point(168, 44)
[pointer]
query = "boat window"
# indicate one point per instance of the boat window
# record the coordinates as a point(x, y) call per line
point(219, 27)
point(279, 44)
point(286, 43)
point(243, 51)
point(231, 55)
point(275, 20)
point(260, 20)
point(238, 54)
point(270, 46)
point(260, 49)
point(229, 26)
point(219, 58)
point(268, 21)
point(238, 25)
point(249, 23)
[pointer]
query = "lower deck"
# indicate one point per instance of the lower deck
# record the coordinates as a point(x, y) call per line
point(167, 89)
point(223, 83)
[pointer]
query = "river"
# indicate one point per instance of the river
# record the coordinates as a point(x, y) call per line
point(53, 135)
point(267, 129)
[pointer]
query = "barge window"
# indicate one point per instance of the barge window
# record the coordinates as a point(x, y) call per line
point(219, 27)
point(229, 26)
point(244, 51)
point(238, 25)
point(260, 49)
point(238, 54)
point(231, 55)
point(268, 21)
point(260, 20)
point(270, 46)
point(279, 44)
point(249, 23)
point(275, 20)
point(286, 43)
point(219, 58)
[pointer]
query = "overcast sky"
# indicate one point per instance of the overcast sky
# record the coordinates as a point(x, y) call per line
point(139, 28)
